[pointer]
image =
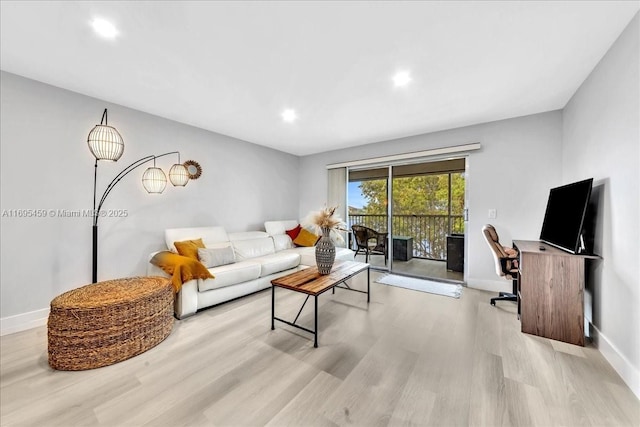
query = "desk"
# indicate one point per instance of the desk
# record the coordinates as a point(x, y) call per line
point(551, 291)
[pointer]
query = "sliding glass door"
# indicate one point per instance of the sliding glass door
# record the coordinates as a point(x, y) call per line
point(423, 225)
point(427, 207)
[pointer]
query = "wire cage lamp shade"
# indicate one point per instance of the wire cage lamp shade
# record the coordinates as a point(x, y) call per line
point(154, 180)
point(105, 142)
point(178, 175)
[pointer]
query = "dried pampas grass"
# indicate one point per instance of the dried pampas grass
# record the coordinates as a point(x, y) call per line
point(326, 218)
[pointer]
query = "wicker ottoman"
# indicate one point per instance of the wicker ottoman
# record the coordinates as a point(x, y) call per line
point(108, 322)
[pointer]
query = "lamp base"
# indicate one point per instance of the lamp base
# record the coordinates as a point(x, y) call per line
point(94, 272)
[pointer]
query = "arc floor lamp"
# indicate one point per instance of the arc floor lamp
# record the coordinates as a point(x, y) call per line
point(106, 143)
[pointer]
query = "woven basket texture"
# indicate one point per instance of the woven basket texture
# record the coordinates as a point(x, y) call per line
point(108, 322)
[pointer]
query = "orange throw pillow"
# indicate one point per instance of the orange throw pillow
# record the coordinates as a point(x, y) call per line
point(306, 238)
point(189, 248)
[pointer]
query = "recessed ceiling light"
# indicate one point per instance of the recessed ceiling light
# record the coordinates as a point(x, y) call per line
point(289, 115)
point(402, 78)
point(104, 28)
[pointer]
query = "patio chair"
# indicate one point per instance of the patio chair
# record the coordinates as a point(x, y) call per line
point(370, 242)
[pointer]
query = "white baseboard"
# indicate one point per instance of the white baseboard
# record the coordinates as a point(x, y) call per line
point(24, 321)
point(617, 360)
point(490, 285)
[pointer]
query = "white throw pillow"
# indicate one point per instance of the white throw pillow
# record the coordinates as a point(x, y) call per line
point(282, 241)
point(215, 257)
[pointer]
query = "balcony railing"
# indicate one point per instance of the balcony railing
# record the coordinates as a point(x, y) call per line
point(429, 232)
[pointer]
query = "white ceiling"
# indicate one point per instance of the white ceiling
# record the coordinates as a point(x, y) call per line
point(233, 67)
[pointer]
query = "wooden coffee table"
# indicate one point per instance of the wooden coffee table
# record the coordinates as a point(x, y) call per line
point(312, 283)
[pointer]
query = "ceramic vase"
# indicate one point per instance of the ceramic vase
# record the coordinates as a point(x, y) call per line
point(325, 252)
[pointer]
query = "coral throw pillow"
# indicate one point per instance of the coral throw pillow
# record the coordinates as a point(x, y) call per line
point(189, 248)
point(293, 233)
point(306, 238)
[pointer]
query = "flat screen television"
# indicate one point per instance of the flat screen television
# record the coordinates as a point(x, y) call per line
point(564, 217)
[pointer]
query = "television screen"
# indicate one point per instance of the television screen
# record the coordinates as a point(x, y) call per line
point(564, 217)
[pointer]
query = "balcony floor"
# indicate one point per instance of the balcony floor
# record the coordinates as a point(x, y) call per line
point(417, 267)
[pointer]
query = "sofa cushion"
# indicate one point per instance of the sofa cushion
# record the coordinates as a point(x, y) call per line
point(230, 274)
point(215, 257)
point(275, 228)
point(277, 262)
point(282, 242)
point(247, 235)
point(210, 236)
point(251, 248)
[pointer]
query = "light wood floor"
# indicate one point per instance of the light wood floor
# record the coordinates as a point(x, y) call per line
point(407, 358)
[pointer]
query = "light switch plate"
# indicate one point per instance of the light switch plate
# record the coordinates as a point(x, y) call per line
point(493, 214)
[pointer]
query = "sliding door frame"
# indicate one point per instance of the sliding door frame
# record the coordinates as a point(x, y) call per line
point(390, 164)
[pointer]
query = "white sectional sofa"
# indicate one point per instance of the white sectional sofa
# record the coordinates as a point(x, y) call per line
point(259, 258)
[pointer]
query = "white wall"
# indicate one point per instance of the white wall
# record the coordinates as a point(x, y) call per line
point(518, 163)
point(45, 164)
point(601, 139)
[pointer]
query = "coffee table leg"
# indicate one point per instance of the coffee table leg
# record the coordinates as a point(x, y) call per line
point(368, 284)
point(315, 335)
point(273, 306)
